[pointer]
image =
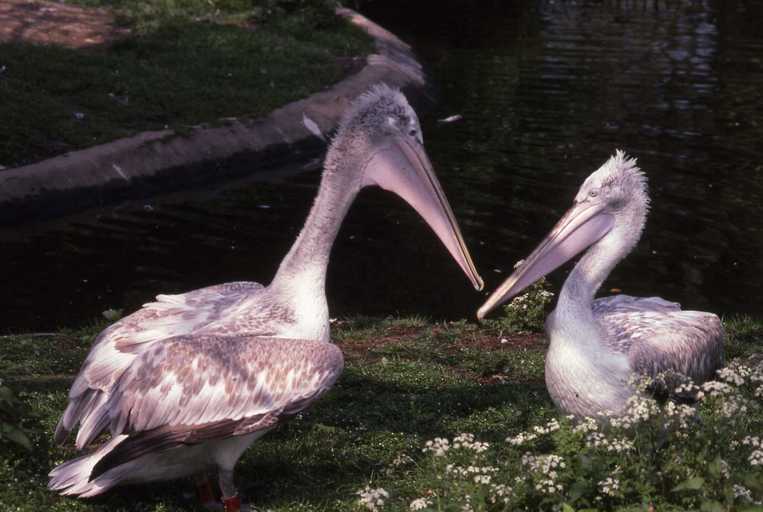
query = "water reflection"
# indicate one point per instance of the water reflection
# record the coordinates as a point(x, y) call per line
point(547, 90)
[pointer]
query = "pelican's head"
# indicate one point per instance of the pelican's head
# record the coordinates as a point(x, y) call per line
point(620, 188)
point(379, 143)
point(610, 208)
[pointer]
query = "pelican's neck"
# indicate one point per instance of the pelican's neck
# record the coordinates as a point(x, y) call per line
point(576, 297)
point(586, 278)
point(306, 262)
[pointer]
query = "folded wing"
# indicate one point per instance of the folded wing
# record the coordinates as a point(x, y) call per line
point(116, 348)
point(658, 336)
point(192, 389)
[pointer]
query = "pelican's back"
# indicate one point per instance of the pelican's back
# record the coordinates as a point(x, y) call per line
point(659, 337)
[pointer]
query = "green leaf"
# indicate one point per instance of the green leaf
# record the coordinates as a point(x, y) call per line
point(715, 467)
point(6, 395)
point(577, 490)
point(566, 507)
point(711, 506)
point(692, 484)
point(16, 435)
point(753, 481)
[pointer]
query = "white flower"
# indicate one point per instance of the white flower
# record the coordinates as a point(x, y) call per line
point(617, 445)
point(458, 471)
point(438, 446)
point(549, 427)
point(609, 486)
point(733, 406)
point(482, 479)
point(756, 458)
point(521, 438)
point(716, 388)
point(545, 467)
point(743, 492)
point(419, 504)
point(467, 441)
point(586, 425)
point(725, 472)
point(401, 460)
point(372, 499)
point(735, 373)
point(499, 492)
point(638, 409)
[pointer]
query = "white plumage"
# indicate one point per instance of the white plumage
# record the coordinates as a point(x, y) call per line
point(597, 346)
point(189, 381)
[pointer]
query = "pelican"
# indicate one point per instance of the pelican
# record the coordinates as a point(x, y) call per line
point(596, 346)
point(188, 382)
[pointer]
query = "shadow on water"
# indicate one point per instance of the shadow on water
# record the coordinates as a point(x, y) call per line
point(547, 90)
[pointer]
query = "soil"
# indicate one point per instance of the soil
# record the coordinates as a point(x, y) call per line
point(53, 23)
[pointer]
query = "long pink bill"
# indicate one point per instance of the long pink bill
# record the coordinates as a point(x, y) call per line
point(402, 166)
point(582, 225)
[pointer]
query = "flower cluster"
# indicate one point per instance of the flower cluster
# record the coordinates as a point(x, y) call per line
point(609, 486)
point(638, 409)
point(585, 425)
point(467, 441)
point(372, 499)
point(499, 492)
point(401, 460)
point(545, 467)
point(527, 312)
point(608, 460)
point(521, 438)
point(601, 441)
point(478, 474)
point(716, 388)
point(735, 373)
point(438, 446)
point(537, 431)
point(420, 504)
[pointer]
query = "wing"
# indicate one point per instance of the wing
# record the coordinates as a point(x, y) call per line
point(118, 345)
point(628, 303)
point(660, 337)
point(192, 389)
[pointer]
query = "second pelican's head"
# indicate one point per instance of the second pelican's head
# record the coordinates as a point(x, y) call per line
point(379, 142)
point(610, 208)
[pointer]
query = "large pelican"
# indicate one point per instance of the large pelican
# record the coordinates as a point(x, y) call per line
point(188, 382)
point(596, 346)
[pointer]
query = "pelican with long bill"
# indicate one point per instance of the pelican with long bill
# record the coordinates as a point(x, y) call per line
point(597, 345)
point(185, 384)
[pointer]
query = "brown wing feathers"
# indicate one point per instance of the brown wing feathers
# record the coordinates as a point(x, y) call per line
point(282, 377)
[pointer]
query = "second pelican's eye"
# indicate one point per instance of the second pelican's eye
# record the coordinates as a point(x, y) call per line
point(593, 193)
point(413, 132)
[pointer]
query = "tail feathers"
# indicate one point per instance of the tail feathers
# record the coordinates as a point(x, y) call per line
point(93, 425)
point(61, 432)
point(72, 478)
point(87, 409)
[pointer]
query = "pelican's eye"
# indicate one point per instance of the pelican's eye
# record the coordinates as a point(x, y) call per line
point(412, 132)
point(593, 193)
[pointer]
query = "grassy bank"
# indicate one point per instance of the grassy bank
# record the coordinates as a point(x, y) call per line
point(184, 63)
point(406, 382)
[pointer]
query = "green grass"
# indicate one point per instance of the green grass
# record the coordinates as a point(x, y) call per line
point(181, 66)
point(406, 381)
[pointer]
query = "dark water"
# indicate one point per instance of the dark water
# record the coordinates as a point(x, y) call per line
point(547, 91)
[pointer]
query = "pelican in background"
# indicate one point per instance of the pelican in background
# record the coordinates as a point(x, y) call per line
point(188, 382)
point(597, 345)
